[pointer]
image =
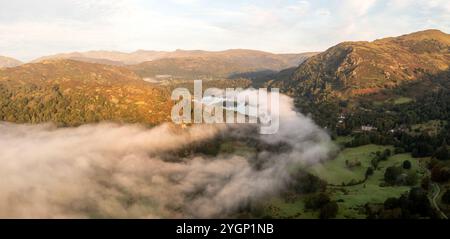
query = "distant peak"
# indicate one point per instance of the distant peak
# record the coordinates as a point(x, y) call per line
point(430, 33)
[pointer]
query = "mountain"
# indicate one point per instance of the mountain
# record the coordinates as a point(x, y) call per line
point(9, 62)
point(360, 68)
point(203, 65)
point(263, 59)
point(108, 57)
point(71, 93)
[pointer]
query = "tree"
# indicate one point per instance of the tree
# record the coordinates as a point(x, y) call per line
point(387, 152)
point(425, 183)
point(307, 183)
point(442, 153)
point(446, 197)
point(374, 162)
point(407, 164)
point(317, 201)
point(440, 174)
point(369, 172)
point(399, 150)
point(411, 179)
point(391, 203)
point(329, 210)
point(391, 174)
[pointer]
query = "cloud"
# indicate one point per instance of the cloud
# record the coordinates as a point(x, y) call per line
point(127, 171)
point(278, 26)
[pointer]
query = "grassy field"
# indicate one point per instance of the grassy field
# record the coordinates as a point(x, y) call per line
point(351, 199)
point(402, 100)
point(336, 172)
point(342, 140)
point(279, 208)
point(236, 148)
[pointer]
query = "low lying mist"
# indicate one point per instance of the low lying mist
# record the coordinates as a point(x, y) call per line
point(123, 171)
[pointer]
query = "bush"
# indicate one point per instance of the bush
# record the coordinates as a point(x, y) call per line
point(407, 164)
point(369, 172)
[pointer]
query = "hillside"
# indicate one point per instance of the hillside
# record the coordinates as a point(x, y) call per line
point(360, 68)
point(263, 60)
point(9, 62)
point(71, 93)
point(106, 57)
point(204, 65)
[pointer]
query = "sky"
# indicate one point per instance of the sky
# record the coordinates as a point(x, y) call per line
point(30, 28)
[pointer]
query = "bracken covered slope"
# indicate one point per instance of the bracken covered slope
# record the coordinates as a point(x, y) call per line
point(72, 93)
point(359, 68)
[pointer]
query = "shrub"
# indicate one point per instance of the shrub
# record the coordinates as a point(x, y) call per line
point(369, 171)
point(407, 164)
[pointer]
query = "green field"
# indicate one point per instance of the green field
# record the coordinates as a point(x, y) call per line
point(342, 140)
point(402, 100)
point(279, 208)
point(336, 172)
point(351, 199)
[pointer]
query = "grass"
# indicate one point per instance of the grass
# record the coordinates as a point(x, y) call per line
point(279, 208)
point(336, 172)
point(237, 148)
point(342, 140)
point(351, 199)
point(402, 100)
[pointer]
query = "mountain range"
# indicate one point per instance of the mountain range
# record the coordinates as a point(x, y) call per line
point(216, 66)
point(72, 89)
point(259, 58)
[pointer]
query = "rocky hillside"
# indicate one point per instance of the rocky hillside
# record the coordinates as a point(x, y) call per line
point(71, 93)
point(9, 62)
point(359, 68)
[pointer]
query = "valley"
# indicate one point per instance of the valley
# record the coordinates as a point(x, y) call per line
point(382, 110)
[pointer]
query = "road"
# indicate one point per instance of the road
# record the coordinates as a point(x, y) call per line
point(436, 192)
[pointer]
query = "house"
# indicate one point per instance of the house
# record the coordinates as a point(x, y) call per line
point(368, 128)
